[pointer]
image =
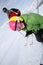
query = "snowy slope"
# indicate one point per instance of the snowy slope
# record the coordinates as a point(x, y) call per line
point(41, 12)
point(13, 51)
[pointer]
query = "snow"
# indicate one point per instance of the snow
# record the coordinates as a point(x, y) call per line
point(13, 50)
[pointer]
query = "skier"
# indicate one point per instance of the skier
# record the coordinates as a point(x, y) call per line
point(31, 23)
point(12, 12)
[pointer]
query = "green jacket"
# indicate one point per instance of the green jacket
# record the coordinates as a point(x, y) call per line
point(34, 21)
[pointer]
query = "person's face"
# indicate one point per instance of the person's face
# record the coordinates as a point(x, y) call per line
point(4, 10)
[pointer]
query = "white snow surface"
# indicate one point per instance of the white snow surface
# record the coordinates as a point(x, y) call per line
point(13, 51)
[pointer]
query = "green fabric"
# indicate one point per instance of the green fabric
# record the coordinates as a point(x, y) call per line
point(34, 21)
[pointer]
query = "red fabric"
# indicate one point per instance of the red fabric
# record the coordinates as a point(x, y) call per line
point(11, 14)
point(19, 13)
